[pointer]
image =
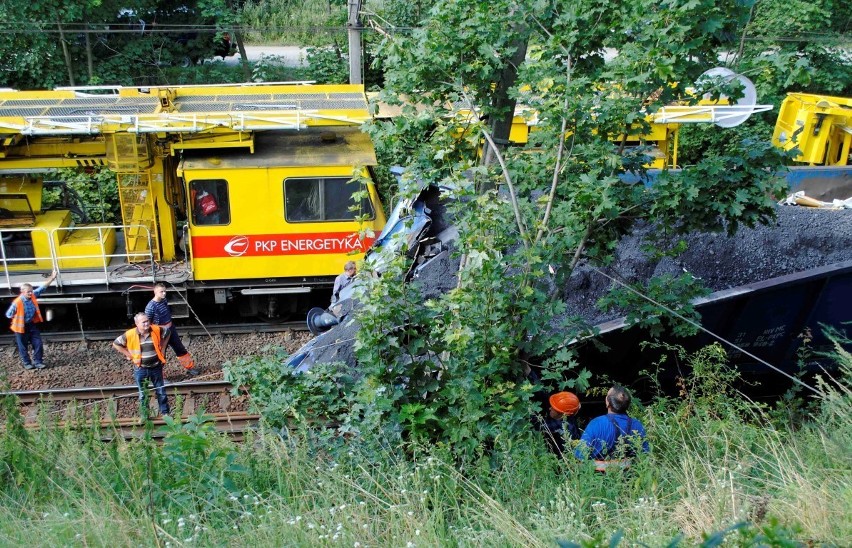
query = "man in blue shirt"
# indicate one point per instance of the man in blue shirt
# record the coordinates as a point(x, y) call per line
point(159, 313)
point(26, 315)
point(600, 440)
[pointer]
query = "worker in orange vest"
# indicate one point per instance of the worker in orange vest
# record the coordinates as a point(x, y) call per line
point(26, 315)
point(145, 345)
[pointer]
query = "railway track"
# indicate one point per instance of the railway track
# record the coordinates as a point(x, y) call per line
point(185, 331)
point(233, 423)
point(101, 399)
point(184, 389)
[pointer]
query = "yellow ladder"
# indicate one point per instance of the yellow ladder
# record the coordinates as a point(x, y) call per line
point(139, 216)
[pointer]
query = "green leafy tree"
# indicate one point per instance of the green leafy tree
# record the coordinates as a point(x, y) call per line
point(228, 15)
point(92, 194)
point(459, 364)
point(128, 42)
point(327, 65)
point(34, 52)
point(783, 47)
point(797, 46)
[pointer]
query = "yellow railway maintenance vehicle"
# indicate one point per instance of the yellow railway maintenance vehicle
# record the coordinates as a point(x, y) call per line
point(819, 126)
point(246, 194)
point(660, 133)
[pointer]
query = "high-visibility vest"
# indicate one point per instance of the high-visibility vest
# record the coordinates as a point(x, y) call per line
point(18, 321)
point(134, 345)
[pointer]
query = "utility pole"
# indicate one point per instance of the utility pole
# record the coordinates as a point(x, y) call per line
point(355, 63)
point(65, 52)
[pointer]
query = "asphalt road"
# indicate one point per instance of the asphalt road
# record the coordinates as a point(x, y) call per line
point(289, 56)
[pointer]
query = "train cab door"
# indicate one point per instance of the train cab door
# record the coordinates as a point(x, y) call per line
point(209, 199)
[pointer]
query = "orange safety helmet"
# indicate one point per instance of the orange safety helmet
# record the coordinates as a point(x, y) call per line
point(566, 403)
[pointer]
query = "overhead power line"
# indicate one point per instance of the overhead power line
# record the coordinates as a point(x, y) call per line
point(162, 30)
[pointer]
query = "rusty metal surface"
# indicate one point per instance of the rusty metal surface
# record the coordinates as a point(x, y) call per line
point(235, 425)
point(38, 407)
point(191, 331)
point(185, 389)
point(120, 404)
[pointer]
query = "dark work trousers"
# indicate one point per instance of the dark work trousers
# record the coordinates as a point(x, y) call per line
point(176, 343)
point(30, 336)
point(155, 376)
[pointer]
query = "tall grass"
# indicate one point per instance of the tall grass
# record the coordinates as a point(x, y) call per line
point(714, 464)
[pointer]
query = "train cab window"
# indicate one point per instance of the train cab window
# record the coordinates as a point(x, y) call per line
point(312, 199)
point(210, 205)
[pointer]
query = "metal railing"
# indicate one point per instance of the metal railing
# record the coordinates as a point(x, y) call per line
point(186, 237)
point(6, 260)
point(54, 238)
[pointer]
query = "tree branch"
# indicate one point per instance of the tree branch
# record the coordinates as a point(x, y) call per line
point(558, 167)
point(514, 199)
point(580, 248)
point(743, 37)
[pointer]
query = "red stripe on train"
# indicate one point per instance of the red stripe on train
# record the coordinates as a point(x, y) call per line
point(271, 245)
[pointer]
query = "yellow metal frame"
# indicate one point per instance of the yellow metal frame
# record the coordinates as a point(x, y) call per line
point(182, 109)
point(662, 137)
point(266, 228)
point(278, 248)
point(819, 126)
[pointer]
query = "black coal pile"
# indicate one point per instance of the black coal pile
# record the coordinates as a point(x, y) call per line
point(800, 239)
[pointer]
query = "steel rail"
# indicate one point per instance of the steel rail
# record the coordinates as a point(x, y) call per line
point(235, 425)
point(192, 331)
point(28, 397)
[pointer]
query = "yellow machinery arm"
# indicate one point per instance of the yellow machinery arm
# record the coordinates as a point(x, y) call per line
point(179, 109)
point(819, 126)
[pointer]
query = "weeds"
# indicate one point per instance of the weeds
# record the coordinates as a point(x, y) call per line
point(311, 22)
point(739, 476)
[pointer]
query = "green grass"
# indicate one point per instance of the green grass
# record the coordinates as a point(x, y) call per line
point(719, 465)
